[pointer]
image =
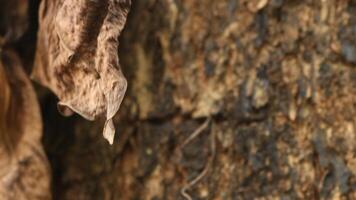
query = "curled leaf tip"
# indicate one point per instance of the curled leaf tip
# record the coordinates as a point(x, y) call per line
point(109, 131)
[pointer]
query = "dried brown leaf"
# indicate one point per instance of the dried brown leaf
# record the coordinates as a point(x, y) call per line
point(77, 56)
point(22, 159)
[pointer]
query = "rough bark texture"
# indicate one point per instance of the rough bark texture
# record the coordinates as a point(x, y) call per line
point(266, 86)
point(277, 79)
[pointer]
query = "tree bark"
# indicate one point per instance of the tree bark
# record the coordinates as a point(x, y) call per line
point(276, 78)
point(248, 99)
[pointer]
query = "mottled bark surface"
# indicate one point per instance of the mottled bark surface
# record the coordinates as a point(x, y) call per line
point(277, 79)
point(273, 82)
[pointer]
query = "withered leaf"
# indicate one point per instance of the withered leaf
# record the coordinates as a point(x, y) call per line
point(22, 158)
point(77, 56)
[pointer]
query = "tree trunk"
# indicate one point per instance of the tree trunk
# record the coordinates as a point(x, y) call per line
point(230, 99)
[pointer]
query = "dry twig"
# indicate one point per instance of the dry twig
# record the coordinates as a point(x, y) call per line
point(209, 163)
point(196, 133)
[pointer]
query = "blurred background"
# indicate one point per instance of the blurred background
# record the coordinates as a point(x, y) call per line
point(226, 99)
